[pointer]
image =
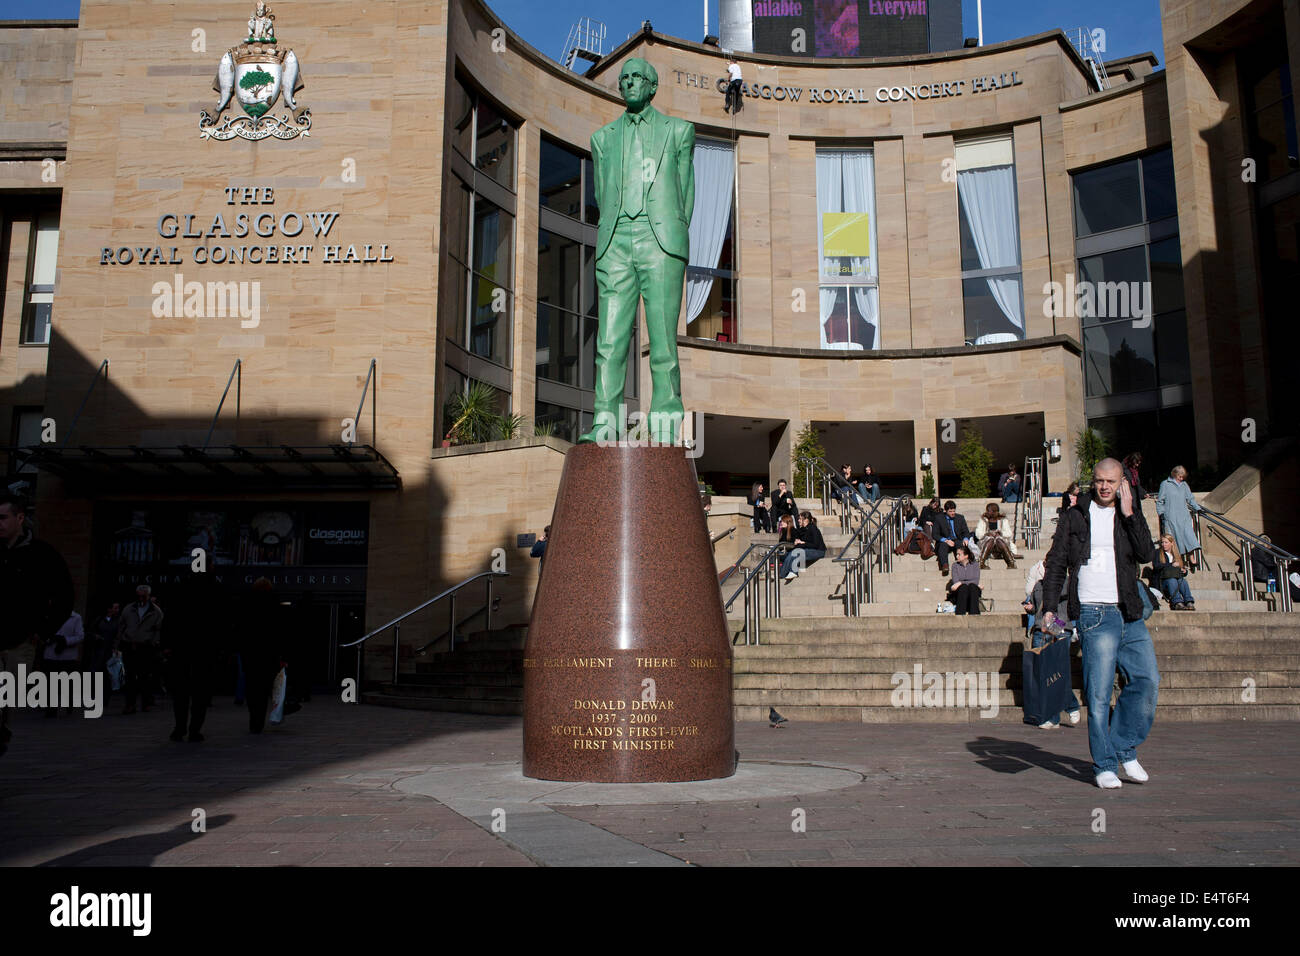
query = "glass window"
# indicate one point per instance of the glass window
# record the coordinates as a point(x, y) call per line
point(1166, 275)
point(1135, 332)
point(989, 229)
point(560, 179)
point(559, 271)
point(1270, 118)
point(494, 140)
point(1171, 349)
point(494, 231)
point(711, 275)
point(558, 357)
point(1114, 285)
point(490, 321)
point(565, 421)
point(589, 192)
point(40, 286)
point(846, 243)
point(1109, 197)
point(1158, 185)
point(988, 303)
point(25, 433)
point(461, 119)
point(458, 232)
point(849, 317)
point(457, 297)
point(1118, 358)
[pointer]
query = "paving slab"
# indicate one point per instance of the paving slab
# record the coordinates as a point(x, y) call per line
point(360, 785)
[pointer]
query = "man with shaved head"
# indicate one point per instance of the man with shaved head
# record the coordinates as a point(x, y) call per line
point(1099, 543)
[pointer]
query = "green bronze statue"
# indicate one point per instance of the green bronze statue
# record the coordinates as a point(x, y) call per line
point(645, 190)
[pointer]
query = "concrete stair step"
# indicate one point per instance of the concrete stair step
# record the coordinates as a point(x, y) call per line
point(946, 715)
point(1005, 696)
point(946, 659)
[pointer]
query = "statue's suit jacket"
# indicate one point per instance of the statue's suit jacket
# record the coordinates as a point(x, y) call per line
point(670, 198)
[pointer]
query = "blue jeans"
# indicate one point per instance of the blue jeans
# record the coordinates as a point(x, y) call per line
point(869, 492)
point(1110, 642)
point(809, 556)
point(1177, 590)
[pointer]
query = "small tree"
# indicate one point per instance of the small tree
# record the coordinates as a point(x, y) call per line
point(1090, 447)
point(973, 462)
point(473, 415)
point(927, 485)
point(808, 444)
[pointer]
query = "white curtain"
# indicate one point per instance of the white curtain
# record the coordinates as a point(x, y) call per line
point(988, 195)
point(715, 174)
point(846, 183)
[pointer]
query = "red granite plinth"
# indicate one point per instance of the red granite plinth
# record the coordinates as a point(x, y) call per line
point(627, 666)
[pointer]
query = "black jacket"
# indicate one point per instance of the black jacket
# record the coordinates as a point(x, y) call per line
point(958, 523)
point(783, 504)
point(811, 537)
point(1072, 548)
point(928, 514)
point(35, 590)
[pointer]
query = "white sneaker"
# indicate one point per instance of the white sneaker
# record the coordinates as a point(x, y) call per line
point(1133, 770)
point(1074, 718)
point(1108, 780)
point(1047, 725)
point(791, 576)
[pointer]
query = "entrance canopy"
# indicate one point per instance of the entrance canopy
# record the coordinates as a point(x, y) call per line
point(230, 468)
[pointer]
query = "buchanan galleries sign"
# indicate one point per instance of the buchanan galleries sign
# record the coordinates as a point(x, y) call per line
point(881, 94)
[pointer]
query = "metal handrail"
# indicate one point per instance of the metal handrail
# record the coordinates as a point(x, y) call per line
point(1247, 542)
point(762, 597)
point(866, 523)
point(396, 623)
point(67, 436)
point(237, 377)
point(859, 584)
point(828, 474)
point(739, 561)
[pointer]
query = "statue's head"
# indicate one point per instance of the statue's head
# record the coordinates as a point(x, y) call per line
point(638, 82)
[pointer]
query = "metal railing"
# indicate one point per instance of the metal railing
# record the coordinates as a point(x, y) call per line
point(396, 623)
point(1225, 529)
point(875, 541)
point(760, 587)
point(820, 473)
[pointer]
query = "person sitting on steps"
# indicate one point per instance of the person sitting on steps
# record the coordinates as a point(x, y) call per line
point(1173, 575)
point(950, 531)
point(964, 588)
point(994, 533)
point(809, 547)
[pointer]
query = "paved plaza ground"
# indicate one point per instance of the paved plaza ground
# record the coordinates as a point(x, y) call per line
point(341, 784)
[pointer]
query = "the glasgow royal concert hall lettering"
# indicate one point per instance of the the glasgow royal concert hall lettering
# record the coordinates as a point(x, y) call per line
point(881, 94)
point(294, 237)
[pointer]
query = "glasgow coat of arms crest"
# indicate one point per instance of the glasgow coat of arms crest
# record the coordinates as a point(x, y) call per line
point(256, 74)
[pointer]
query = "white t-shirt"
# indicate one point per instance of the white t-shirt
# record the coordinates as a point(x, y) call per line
point(1097, 584)
point(733, 71)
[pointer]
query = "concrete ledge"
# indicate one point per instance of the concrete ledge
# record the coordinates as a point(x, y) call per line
point(550, 441)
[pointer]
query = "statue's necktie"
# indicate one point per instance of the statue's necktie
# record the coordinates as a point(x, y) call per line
point(634, 195)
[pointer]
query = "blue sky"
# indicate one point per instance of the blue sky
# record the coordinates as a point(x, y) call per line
point(1132, 26)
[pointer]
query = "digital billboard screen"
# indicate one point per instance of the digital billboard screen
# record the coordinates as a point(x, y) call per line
point(841, 27)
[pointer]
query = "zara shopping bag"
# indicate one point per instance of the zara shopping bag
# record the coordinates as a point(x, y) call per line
point(1045, 673)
